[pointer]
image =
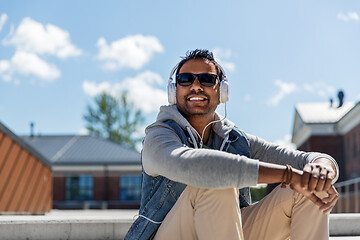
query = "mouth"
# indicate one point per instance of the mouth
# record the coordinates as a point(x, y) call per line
point(196, 99)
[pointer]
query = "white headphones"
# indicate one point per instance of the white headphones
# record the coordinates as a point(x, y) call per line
point(224, 86)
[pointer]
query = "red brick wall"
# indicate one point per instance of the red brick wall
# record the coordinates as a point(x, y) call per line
point(114, 188)
point(58, 188)
point(352, 152)
point(99, 188)
point(104, 188)
point(332, 145)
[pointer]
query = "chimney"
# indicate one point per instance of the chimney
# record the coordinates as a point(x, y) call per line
point(31, 129)
point(341, 98)
point(331, 102)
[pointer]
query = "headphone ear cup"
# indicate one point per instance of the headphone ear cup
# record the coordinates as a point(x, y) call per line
point(224, 91)
point(172, 93)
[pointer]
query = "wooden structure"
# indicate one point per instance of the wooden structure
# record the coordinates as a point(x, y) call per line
point(25, 177)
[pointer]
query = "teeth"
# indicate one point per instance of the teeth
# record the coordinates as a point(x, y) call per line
point(196, 99)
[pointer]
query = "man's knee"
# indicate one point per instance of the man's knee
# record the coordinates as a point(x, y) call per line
point(202, 195)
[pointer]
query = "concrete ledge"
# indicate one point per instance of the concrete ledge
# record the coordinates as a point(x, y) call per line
point(112, 224)
point(57, 225)
point(65, 230)
point(345, 224)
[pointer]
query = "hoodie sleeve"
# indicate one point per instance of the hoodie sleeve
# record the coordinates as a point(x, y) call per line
point(273, 153)
point(164, 154)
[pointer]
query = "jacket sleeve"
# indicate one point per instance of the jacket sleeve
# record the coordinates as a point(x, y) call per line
point(273, 153)
point(164, 154)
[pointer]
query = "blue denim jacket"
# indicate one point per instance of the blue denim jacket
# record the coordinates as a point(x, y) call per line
point(159, 194)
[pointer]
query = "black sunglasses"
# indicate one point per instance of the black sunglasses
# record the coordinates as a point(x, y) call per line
point(205, 79)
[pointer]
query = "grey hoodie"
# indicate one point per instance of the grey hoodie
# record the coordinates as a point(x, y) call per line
point(164, 154)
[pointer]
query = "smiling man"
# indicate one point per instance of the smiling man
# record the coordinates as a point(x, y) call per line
point(198, 167)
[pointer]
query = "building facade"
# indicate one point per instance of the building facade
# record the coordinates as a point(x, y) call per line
point(335, 130)
point(90, 172)
point(330, 129)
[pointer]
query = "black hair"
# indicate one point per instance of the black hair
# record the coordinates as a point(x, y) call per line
point(203, 54)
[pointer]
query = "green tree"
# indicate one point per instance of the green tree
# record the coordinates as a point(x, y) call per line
point(114, 119)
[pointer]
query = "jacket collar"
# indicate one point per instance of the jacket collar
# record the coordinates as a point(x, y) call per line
point(170, 112)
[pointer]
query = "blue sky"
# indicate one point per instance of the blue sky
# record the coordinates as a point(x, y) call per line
point(55, 56)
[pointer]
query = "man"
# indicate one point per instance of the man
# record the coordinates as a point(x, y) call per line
point(197, 167)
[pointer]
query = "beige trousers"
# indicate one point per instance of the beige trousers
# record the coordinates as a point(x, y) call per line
point(215, 214)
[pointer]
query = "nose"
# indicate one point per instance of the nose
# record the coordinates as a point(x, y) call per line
point(196, 85)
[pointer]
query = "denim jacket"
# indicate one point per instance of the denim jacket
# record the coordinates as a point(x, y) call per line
point(159, 194)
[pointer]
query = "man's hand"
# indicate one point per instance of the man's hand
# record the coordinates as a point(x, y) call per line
point(316, 177)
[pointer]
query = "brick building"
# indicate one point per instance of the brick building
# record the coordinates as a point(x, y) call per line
point(90, 172)
point(333, 129)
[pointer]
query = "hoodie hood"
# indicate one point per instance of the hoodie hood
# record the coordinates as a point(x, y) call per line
point(170, 112)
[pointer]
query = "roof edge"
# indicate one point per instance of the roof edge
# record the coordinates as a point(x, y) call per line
point(24, 145)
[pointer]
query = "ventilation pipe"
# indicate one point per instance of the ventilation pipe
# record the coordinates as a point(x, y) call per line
point(341, 98)
point(31, 129)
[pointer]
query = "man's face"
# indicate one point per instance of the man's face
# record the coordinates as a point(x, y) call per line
point(197, 99)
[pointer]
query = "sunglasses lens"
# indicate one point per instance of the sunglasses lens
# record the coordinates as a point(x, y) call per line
point(207, 80)
point(185, 79)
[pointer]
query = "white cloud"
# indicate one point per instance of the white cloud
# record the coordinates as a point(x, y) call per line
point(33, 37)
point(220, 54)
point(31, 40)
point(247, 98)
point(286, 142)
point(348, 17)
point(129, 52)
point(3, 19)
point(284, 89)
point(320, 88)
point(143, 90)
point(83, 132)
point(92, 89)
point(28, 64)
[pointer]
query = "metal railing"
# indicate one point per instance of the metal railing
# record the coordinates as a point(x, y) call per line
point(348, 189)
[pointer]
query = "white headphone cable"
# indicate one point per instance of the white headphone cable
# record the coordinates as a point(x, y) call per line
point(139, 215)
point(203, 132)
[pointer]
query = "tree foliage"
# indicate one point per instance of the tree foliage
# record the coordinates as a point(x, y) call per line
point(114, 119)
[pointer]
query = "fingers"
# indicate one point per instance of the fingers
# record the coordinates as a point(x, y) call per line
point(328, 182)
point(314, 177)
point(317, 177)
point(306, 175)
point(315, 199)
point(321, 180)
point(330, 201)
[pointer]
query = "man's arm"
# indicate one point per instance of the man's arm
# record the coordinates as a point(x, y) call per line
point(164, 154)
point(317, 177)
point(273, 153)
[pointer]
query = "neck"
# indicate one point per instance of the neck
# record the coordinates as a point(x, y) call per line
point(199, 122)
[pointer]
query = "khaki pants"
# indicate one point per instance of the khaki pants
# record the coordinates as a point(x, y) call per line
point(215, 214)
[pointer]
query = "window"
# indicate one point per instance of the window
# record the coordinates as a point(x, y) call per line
point(79, 187)
point(130, 187)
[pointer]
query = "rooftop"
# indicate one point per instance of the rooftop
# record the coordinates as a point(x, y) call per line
point(323, 112)
point(32, 150)
point(77, 149)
